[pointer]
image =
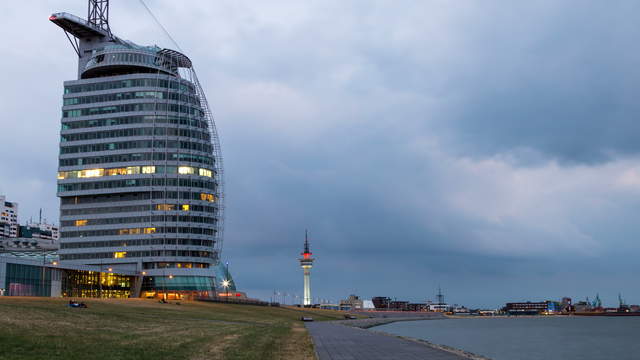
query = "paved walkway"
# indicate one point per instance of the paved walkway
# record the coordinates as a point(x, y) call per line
point(339, 342)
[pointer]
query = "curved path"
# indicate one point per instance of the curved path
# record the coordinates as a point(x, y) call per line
point(334, 341)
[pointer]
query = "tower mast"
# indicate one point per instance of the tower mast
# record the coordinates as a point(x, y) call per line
point(306, 263)
point(98, 14)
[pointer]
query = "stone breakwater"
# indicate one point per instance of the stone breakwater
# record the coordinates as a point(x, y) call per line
point(385, 319)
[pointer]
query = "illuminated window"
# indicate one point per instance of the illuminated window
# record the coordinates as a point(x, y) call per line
point(81, 222)
point(123, 232)
point(116, 171)
point(120, 254)
point(134, 231)
point(132, 170)
point(62, 175)
point(149, 230)
point(207, 197)
point(91, 173)
point(148, 169)
point(185, 207)
point(186, 170)
point(205, 172)
point(165, 207)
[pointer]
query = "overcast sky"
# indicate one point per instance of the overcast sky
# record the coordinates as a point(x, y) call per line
point(489, 147)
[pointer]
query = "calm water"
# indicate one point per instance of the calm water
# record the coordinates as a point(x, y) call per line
point(566, 338)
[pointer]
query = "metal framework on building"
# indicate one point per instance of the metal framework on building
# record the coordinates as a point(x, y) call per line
point(98, 14)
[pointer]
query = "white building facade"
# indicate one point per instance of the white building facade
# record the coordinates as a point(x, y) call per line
point(8, 218)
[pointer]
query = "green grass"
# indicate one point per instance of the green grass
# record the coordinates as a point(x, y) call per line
point(45, 328)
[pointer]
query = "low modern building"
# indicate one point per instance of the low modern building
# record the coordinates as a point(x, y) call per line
point(8, 218)
point(532, 308)
point(40, 273)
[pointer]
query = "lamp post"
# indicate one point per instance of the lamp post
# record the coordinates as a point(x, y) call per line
point(100, 280)
point(225, 285)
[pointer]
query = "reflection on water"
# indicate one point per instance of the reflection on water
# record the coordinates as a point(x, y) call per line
point(531, 338)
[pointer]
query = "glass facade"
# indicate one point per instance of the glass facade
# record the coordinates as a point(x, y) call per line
point(27, 280)
point(136, 157)
point(137, 144)
point(130, 120)
point(177, 287)
point(78, 283)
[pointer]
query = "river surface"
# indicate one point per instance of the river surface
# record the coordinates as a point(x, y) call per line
point(531, 338)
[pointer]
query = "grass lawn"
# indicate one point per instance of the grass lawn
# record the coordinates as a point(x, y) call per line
point(46, 328)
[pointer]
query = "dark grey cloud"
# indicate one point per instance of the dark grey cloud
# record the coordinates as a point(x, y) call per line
point(485, 147)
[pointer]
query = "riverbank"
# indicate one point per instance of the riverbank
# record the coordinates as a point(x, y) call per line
point(350, 339)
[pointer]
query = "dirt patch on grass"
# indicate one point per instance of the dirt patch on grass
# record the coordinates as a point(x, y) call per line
point(296, 346)
point(215, 348)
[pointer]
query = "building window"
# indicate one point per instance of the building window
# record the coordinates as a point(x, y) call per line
point(81, 222)
point(120, 254)
point(205, 172)
point(150, 230)
point(148, 169)
point(186, 170)
point(207, 197)
point(165, 207)
point(91, 173)
point(185, 207)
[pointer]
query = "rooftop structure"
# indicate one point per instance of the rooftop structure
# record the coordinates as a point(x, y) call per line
point(140, 166)
point(306, 262)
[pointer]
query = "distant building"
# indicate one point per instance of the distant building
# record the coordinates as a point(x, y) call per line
point(532, 308)
point(399, 305)
point(8, 218)
point(40, 231)
point(439, 307)
point(460, 310)
point(353, 302)
point(417, 307)
point(381, 302)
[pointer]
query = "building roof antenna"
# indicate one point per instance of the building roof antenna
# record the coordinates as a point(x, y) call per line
point(98, 14)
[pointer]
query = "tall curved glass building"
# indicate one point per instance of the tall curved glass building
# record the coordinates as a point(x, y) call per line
point(140, 168)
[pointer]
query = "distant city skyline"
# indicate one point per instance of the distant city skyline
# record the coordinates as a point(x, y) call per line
point(490, 148)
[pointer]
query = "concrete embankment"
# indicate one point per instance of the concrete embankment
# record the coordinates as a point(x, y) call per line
point(347, 339)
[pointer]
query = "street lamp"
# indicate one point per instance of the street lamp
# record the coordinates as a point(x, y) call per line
point(225, 285)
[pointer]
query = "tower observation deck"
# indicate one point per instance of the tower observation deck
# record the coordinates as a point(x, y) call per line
point(306, 262)
point(140, 166)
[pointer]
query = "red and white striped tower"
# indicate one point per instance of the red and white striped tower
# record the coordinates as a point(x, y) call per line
point(306, 262)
